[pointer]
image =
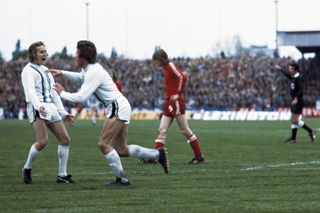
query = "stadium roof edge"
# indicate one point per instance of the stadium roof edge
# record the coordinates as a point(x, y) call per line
point(305, 41)
point(298, 31)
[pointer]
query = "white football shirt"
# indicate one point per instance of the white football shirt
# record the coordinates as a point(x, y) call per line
point(95, 81)
point(37, 83)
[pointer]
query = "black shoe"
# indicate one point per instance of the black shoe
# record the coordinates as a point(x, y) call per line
point(26, 174)
point(119, 182)
point(163, 160)
point(148, 160)
point(290, 140)
point(196, 160)
point(312, 135)
point(65, 179)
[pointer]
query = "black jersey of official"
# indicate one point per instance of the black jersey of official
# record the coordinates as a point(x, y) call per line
point(295, 85)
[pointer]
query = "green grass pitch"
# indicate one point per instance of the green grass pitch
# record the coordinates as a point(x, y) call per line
point(247, 169)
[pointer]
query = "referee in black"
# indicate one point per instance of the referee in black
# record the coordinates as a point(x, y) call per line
point(296, 107)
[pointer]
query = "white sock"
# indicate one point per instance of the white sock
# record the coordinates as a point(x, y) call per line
point(114, 162)
point(141, 152)
point(32, 155)
point(301, 123)
point(93, 119)
point(63, 155)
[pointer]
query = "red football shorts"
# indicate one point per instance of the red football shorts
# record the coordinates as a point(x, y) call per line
point(172, 109)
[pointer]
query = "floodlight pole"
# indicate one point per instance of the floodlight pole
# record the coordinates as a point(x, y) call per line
point(87, 8)
point(276, 26)
point(127, 32)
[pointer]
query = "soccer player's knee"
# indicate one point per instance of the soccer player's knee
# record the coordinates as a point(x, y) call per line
point(42, 143)
point(186, 132)
point(65, 141)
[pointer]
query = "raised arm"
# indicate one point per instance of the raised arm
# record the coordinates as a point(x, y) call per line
point(90, 84)
point(285, 73)
point(73, 76)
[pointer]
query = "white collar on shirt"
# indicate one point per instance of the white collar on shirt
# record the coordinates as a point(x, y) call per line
point(296, 75)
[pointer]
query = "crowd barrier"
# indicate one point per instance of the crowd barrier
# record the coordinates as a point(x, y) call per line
point(239, 115)
point(215, 115)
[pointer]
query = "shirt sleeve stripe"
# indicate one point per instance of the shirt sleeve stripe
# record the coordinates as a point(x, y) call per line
point(176, 71)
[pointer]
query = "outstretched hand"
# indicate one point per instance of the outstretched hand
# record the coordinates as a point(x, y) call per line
point(43, 111)
point(55, 72)
point(294, 102)
point(173, 98)
point(69, 120)
point(58, 87)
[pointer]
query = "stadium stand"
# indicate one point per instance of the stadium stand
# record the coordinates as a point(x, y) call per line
point(213, 84)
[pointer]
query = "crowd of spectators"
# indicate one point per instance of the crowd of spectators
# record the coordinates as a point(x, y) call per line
point(213, 83)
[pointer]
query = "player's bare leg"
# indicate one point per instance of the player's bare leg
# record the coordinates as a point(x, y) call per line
point(165, 124)
point(191, 139)
point(119, 143)
point(59, 131)
point(110, 130)
point(40, 129)
point(160, 141)
point(124, 150)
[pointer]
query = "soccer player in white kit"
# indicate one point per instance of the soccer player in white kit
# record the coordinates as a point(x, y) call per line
point(113, 138)
point(44, 109)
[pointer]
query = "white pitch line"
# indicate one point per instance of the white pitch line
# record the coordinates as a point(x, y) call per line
point(197, 170)
point(279, 165)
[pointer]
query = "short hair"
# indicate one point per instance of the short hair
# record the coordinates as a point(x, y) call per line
point(161, 56)
point(32, 51)
point(87, 50)
point(295, 66)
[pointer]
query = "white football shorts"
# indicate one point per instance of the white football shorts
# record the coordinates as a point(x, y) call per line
point(120, 108)
point(51, 109)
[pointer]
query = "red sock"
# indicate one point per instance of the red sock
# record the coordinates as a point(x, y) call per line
point(194, 143)
point(158, 145)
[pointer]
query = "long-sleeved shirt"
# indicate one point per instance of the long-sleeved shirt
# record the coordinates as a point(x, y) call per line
point(37, 83)
point(174, 80)
point(95, 80)
point(296, 89)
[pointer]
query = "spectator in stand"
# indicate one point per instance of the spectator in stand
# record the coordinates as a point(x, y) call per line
point(221, 84)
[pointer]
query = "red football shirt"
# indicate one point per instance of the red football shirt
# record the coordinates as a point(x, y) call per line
point(119, 85)
point(174, 80)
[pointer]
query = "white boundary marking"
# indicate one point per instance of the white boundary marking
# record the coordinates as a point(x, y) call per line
point(191, 170)
point(279, 165)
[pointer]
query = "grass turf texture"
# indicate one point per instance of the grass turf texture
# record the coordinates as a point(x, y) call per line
point(247, 169)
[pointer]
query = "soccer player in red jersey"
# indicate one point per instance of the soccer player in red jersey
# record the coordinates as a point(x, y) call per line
point(174, 107)
point(115, 79)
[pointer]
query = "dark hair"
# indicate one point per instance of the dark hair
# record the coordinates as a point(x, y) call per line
point(87, 50)
point(32, 51)
point(161, 56)
point(295, 66)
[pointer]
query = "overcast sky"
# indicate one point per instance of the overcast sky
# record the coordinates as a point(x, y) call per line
point(182, 27)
